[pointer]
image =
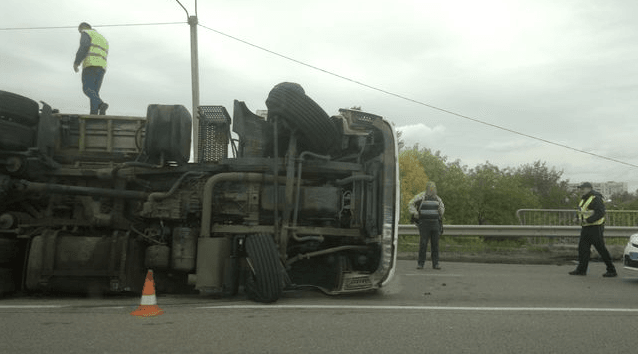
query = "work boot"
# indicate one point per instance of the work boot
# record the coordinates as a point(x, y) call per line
point(420, 266)
point(102, 108)
point(610, 274)
point(436, 267)
point(578, 272)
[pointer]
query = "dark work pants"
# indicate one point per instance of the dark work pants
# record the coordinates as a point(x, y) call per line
point(593, 235)
point(429, 231)
point(91, 82)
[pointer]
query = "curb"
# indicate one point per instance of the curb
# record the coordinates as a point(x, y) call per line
point(556, 254)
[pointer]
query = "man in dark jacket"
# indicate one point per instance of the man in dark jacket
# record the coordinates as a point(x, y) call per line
point(427, 211)
point(591, 214)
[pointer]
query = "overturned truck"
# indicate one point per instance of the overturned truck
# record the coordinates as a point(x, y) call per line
point(89, 203)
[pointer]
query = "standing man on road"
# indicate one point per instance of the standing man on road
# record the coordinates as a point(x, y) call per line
point(92, 54)
point(591, 214)
point(427, 211)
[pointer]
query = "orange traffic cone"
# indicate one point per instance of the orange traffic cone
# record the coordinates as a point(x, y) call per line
point(148, 306)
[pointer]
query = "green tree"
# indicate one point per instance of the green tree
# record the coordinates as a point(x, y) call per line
point(413, 179)
point(400, 141)
point(625, 201)
point(497, 195)
point(546, 183)
point(485, 194)
point(452, 185)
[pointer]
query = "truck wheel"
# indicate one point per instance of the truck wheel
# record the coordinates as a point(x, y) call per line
point(264, 281)
point(289, 102)
point(168, 133)
point(7, 283)
point(14, 136)
point(231, 277)
point(8, 250)
point(14, 107)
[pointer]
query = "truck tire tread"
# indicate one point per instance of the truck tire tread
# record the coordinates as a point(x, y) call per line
point(266, 283)
point(17, 108)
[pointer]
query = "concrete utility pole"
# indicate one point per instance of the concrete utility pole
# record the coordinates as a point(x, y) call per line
point(192, 21)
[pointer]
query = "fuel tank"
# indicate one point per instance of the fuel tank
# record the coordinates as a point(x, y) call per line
point(59, 261)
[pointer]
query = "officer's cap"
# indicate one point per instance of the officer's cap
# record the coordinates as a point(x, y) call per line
point(84, 26)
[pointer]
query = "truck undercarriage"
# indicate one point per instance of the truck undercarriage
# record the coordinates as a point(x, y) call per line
point(89, 203)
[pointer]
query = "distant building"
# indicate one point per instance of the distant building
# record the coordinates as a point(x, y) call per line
point(608, 189)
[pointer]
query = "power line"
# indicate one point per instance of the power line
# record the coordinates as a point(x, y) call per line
point(75, 26)
point(417, 101)
point(403, 97)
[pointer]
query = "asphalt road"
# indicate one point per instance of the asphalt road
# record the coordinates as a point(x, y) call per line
point(463, 308)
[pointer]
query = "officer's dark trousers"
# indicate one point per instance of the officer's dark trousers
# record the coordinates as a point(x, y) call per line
point(593, 235)
point(429, 231)
point(91, 83)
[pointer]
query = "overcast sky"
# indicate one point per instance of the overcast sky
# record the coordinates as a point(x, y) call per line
point(562, 71)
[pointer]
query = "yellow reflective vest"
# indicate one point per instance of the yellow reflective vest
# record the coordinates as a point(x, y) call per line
point(98, 50)
point(584, 212)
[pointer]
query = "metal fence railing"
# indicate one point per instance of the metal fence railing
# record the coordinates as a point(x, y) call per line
point(514, 231)
point(538, 217)
point(464, 239)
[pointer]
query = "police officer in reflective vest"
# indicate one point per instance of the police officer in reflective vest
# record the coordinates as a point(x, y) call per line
point(427, 211)
point(92, 54)
point(591, 214)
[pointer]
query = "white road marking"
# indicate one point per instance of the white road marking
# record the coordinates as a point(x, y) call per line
point(34, 306)
point(372, 307)
point(450, 275)
point(426, 308)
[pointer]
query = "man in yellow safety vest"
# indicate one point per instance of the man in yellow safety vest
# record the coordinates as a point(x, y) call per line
point(94, 49)
point(591, 214)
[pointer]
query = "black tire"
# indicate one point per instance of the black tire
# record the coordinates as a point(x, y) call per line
point(14, 136)
point(289, 102)
point(168, 133)
point(8, 251)
point(265, 280)
point(231, 277)
point(337, 123)
point(7, 283)
point(17, 108)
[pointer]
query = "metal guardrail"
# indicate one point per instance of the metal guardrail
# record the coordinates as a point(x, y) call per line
point(549, 217)
point(489, 231)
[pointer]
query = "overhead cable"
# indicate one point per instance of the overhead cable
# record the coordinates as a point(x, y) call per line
point(403, 97)
point(75, 26)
